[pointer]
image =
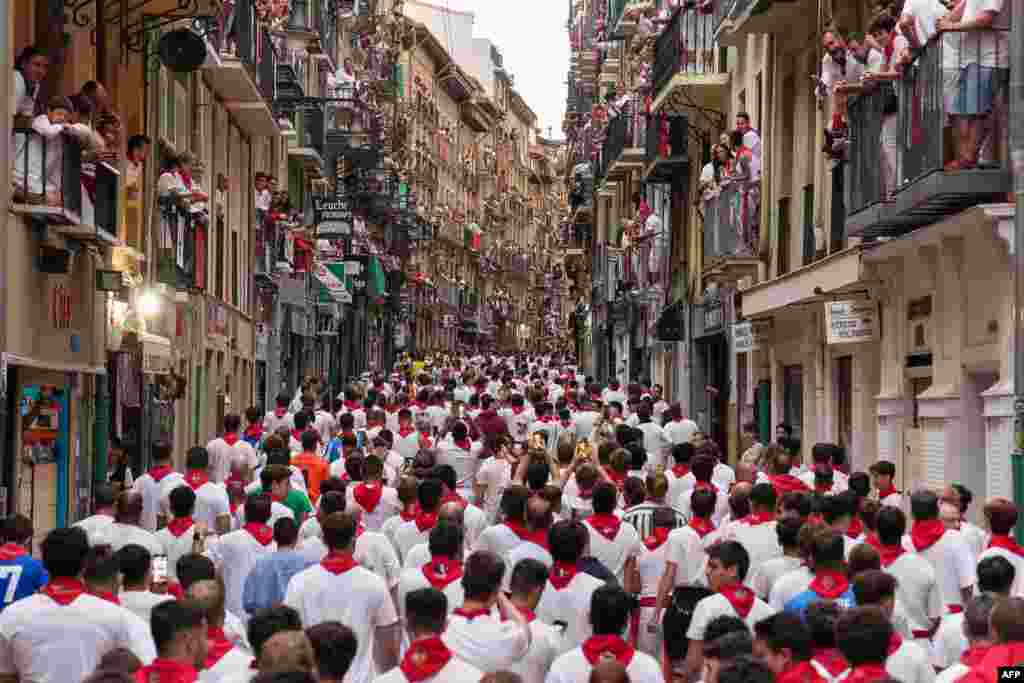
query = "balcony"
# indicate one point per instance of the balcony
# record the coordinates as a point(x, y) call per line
point(689, 69)
point(245, 73)
point(623, 147)
point(925, 185)
point(734, 20)
point(731, 222)
point(180, 246)
point(311, 138)
point(666, 157)
point(52, 185)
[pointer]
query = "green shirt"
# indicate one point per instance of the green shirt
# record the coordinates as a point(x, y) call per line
point(297, 502)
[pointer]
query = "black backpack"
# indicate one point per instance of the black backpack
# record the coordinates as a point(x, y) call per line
point(677, 619)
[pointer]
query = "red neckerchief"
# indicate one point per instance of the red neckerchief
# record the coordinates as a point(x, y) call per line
point(618, 478)
point(338, 562)
point(680, 471)
point(587, 494)
point(425, 441)
point(740, 597)
point(196, 478)
point(702, 526)
point(657, 538)
point(217, 645)
point(405, 431)
point(452, 497)
point(996, 541)
point(831, 660)
point(799, 672)
point(441, 571)
point(757, 518)
point(562, 573)
point(11, 551)
point(351, 405)
point(471, 614)
point(895, 643)
point(464, 444)
point(425, 521)
point(424, 659)
point(815, 518)
point(547, 419)
point(786, 483)
point(705, 485)
point(886, 492)
point(867, 673)
point(890, 47)
point(261, 532)
point(518, 410)
point(605, 524)
point(280, 412)
point(566, 423)
point(160, 471)
point(888, 553)
point(972, 656)
point(63, 590)
point(596, 647)
point(108, 596)
point(254, 431)
point(368, 495)
point(167, 671)
point(872, 540)
point(409, 514)
point(829, 584)
point(822, 487)
point(297, 435)
point(855, 529)
point(231, 439)
point(180, 525)
point(925, 534)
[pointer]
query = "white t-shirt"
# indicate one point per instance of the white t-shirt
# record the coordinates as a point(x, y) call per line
point(721, 502)
point(465, 461)
point(1017, 589)
point(176, 547)
point(271, 422)
point(681, 431)
point(150, 489)
point(357, 598)
point(954, 564)
point(119, 535)
point(211, 501)
point(223, 456)
point(486, 642)
point(372, 551)
point(387, 506)
point(985, 48)
point(655, 443)
point(234, 662)
point(569, 605)
point(685, 550)
point(141, 603)
point(454, 670)
point(584, 422)
point(94, 526)
point(413, 578)
point(909, 664)
point(498, 539)
point(760, 540)
point(926, 14)
point(614, 554)
point(544, 643)
point(789, 586)
point(717, 605)
point(574, 667)
point(949, 642)
point(761, 578)
point(494, 475)
point(235, 554)
point(917, 590)
point(44, 642)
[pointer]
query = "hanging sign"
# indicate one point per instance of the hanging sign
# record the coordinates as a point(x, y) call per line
point(851, 322)
point(750, 335)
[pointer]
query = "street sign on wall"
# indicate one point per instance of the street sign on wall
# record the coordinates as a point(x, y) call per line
point(851, 322)
point(333, 218)
point(750, 335)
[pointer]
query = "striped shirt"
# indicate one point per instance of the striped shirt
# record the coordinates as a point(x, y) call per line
point(642, 517)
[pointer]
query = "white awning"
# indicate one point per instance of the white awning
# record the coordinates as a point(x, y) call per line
point(830, 274)
point(58, 366)
point(156, 354)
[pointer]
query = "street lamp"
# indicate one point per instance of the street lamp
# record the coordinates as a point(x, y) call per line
point(148, 303)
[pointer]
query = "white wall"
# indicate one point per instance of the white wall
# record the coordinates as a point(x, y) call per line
point(454, 30)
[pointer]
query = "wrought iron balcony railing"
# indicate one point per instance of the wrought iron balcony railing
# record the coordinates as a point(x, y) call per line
point(731, 222)
point(686, 46)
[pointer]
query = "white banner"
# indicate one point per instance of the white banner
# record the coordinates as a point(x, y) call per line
point(750, 335)
point(850, 322)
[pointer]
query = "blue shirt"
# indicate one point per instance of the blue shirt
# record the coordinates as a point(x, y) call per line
point(266, 584)
point(20, 577)
point(799, 603)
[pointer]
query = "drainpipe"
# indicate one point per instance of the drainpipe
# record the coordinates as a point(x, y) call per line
point(6, 469)
point(1017, 166)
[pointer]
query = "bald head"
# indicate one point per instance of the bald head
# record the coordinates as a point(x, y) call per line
point(741, 488)
point(287, 651)
point(609, 671)
point(451, 512)
point(746, 472)
point(538, 513)
point(208, 595)
point(129, 508)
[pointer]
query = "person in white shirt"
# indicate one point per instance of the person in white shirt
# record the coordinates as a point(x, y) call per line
point(407, 437)
point(127, 527)
point(945, 549)
point(883, 475)
point(213, 508)
point(494, 475)
point(103, 498)
point(181, 536)
point(539, 518)
point(608, 614)
point(701, 472)
point(135, 565)
point(995, 579)
point(412, 533)
point(428, 658)
point(279, 417)
point(323, 423)
point(150, 484)
point(728, 563)
point(568, 591)
point(960, 496)
point(376, 501)
point(225, 450)
point(463, 454)
point(757, 532)
point(224, 658)
point(907, 661)
point(502, 538)
point(650, 569)
point(234, 554)
point(518, 418)
point(763, 576)
point(614, 544)
point(1001, 515)
point(655, 442)
point(486, 631)
point(527, 582)
point(443, 571)
point(62, 632)
point(822, 454)
point(585, 418)
point(678, 430)
point(338, 589)
point(978, 635)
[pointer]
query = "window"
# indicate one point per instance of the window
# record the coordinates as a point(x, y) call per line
point(783, 245)
point(808, 224)
point(218, 273)
point(844, 399)
point(236, 268)
point(793, 398)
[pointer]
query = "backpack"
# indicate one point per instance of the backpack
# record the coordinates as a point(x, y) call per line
point(676, 620)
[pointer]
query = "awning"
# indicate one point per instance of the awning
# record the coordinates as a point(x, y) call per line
point(39, 364)
point(830, 274)
point(156, 354)
point(331, 277)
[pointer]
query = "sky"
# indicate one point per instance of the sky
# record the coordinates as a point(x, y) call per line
point(534, 44)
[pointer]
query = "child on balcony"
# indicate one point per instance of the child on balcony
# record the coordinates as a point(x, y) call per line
point(39, 154)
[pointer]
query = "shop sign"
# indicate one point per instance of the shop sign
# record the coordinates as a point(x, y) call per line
point(850, 322)
point(156, 356)
point(262, 340)
point(333, 218)
point(216, 320)
point(714, 316)
point(750, 335)
point(334, 284)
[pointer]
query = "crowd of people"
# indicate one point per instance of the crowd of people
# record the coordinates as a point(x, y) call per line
point(507, 520)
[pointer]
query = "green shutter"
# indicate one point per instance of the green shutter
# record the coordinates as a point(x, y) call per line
point(399, 78)
point(375, 280)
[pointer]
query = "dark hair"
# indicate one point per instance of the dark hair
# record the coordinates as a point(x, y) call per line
point(1001, 515)
point(731, 554)
point(445, 539)
point(723, 625)
point(429, 494)
point(300, 420)
point(977, 616)
point(787, 528)
point(339, 528)
point(134, 562)
point(829, 549)
point(821, 616)
point(860, 483)
point(924, 505)
point(426, 610)
point(309, 440)
point(332, 502)
point(482, 574)
point(729, 646)
point(257, 508)
point(565, 542)
point(232, 422)
point(702, 467)
point(171, 617)
point(745, 669)
point(119, 659)
point(103, 495)
point(763, 496)
point(873, 586)
point(528, 575)
point(604, 498)
point(538, 472)
point(785, 630)
point(1008, 620)
point(798, 503)
point(16, 528)
point(286, 532)
point(513, 502)
point(447, 475)
point(996, 575)
point(682, 453)
point(192, 568)
point(26, 54)
point(863, 634)
point(182, 501)
point(890, 525)
point(197, 459)
point(268, 622)
point(334, 646)
point(64, 551)
point(610, 607)
point(702, 502)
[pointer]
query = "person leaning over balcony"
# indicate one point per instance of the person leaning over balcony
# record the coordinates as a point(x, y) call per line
point(33, 182)
point(980, 104)
point(29, 71)
point(891, 44)
point(752, 141)
point(138, 148)
point(746, 201)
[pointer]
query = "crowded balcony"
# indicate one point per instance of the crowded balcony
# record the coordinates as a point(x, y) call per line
point(62, 178)
point(180, 245)
point(623, 149)
point(731, 213)
point(950, 150)
point(245, 73)
point(734, 20)
point(689, 66)
point(310, 141)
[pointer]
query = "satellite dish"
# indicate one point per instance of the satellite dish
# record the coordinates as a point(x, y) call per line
point(182, 50)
